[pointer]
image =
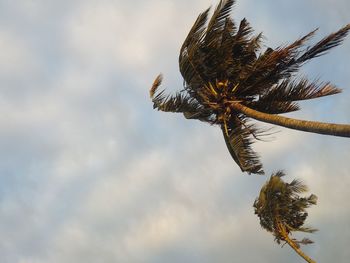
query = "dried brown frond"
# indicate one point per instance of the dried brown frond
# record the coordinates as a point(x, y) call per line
point(155, 85)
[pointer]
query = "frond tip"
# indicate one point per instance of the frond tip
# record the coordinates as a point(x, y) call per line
point(155, 85)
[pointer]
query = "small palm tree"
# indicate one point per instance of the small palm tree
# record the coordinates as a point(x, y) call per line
point(282, 211)
point(228, 80)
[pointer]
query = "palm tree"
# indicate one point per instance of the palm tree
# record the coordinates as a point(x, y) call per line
point(282, 211)
point(229, 80)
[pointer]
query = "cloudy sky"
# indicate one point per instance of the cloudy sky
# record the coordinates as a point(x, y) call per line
point(90, 173)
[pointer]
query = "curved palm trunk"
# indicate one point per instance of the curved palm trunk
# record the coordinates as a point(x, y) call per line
point(298, 250)
point(342, 130)
point(283, 232)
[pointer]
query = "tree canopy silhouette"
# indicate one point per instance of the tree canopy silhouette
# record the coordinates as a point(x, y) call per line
point(229, 79)
point(282, 211)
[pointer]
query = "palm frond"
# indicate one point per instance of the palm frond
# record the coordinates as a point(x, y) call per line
point(272, 66)
point(248, 56)
point(279, 174)
point(312, 199)
point(238, 140)
point(196, 33)
point(307, 230)
point(225, 65)
point(215, 47)
point(293, 48)
point(155, 85)
point(325, 44)
point(227, 35)
point(297, 186)
point(189, 51)
point(255, 44)
point(217, 22)
point(180, 102)
point(303, 89)
point(305, 241)
point(244, 32)
point(287, 63)
point(274, 107)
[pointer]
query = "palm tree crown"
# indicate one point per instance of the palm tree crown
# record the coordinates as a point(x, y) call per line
point(229, 79)
point(282, 211)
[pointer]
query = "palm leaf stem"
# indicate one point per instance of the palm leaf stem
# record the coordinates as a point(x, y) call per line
point(341, 130)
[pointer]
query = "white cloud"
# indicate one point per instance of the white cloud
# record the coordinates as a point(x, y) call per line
point(123, 33)
point(16, 57)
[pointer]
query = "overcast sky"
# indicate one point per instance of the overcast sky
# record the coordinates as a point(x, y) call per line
point(89, 172)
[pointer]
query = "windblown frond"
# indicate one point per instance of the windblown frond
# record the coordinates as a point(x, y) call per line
point(303, 89)
point(176, 103)
point(274, 107)
point(325, 44)
point(155, 85)
point(238, 140)
point(217, 22)
point(292, 49)
point(180, 102)
point(244, 32)
point(189, 51)
point(196, 33)
point(297, 186)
